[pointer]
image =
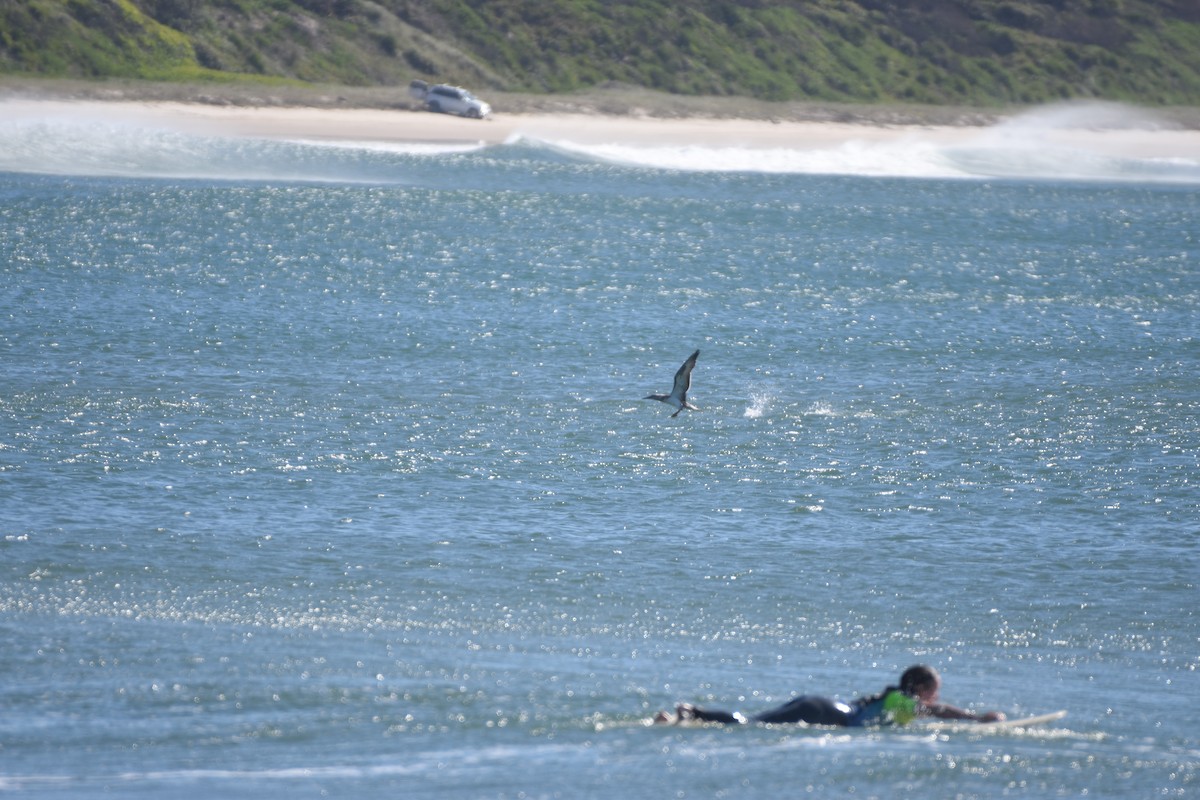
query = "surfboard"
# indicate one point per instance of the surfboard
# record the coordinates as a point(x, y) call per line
point(1023, 722)
point(935, 724)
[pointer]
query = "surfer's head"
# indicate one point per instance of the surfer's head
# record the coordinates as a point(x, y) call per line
point(921, 682)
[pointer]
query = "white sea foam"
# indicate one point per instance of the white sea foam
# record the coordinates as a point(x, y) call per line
point(395, 148)
point(907, 158)
point(911, 157)
point(1097, 141)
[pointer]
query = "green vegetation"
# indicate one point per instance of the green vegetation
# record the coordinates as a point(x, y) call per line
point(977, 52)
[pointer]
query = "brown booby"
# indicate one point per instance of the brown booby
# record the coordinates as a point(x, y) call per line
point(683, 382)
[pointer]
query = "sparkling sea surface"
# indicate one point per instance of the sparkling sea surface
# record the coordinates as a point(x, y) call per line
point(325, 468)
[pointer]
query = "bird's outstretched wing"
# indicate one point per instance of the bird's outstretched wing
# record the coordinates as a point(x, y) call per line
point(683, 378)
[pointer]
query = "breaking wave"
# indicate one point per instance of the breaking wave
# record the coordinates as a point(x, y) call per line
point(1091, 143)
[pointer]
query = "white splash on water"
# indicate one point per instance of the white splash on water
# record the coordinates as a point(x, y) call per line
point(760, 403)
point(821, 409)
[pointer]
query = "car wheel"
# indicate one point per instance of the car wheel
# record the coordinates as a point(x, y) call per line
point(435, 107)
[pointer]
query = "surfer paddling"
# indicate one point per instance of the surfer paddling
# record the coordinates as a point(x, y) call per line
point(916, 696)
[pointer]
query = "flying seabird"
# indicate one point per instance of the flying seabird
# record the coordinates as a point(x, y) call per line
point(683, 382)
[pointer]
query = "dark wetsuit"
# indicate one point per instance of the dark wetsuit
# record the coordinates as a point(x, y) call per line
point(890, 707)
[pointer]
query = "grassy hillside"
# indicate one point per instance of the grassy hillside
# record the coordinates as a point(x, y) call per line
point(979, 52)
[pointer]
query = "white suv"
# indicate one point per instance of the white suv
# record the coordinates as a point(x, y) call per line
point(449, 99)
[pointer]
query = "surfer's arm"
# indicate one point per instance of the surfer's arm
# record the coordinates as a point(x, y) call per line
point(946, 711)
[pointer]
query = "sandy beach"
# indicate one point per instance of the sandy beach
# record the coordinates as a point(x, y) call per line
point(1106, 129)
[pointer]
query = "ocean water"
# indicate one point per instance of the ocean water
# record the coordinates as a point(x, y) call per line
point(325, 468)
